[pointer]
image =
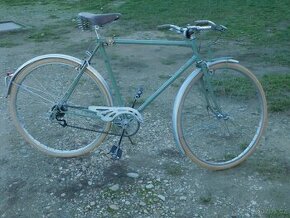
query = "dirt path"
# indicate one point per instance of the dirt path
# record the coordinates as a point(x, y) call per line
point(153, 179)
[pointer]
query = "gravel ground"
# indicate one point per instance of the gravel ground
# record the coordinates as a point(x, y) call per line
point(153, 179)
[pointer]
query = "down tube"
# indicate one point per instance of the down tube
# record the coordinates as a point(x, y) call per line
point(167, 83)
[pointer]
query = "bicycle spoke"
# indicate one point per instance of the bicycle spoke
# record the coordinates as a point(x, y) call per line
point(31, 90)
point(42, 120)
point(220, 117)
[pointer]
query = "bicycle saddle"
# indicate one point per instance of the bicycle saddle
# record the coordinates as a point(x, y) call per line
point(99, 19)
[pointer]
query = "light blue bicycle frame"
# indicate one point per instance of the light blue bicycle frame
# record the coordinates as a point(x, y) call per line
point(101, 43)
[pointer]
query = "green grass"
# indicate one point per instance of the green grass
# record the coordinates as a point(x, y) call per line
point(173, 170)
point(247, 18)
point(206, 199)
point(260, 21)
point(280, 57)
point(277, 89)
point(277, 213)
point(7, 43)
point(48, 33)
point(272, 168)
point(233, 86)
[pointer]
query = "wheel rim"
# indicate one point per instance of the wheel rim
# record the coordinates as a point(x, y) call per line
point(32, 113)
point(220, 138)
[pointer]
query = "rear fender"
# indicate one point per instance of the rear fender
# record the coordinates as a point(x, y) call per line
point(32, 61)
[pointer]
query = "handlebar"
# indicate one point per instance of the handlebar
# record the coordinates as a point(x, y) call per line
point(200, 25)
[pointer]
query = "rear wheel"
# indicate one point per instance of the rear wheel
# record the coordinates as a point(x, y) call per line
point(220, 116)
point(36, 111)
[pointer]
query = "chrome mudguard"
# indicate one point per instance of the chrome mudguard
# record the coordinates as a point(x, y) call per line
point(28, 63)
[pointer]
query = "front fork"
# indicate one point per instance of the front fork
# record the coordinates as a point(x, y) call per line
point(208, 90)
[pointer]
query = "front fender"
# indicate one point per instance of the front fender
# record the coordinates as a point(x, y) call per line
point(177, 101)
point(221, 60)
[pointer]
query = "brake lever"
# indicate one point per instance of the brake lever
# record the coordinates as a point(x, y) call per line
point(164, 26)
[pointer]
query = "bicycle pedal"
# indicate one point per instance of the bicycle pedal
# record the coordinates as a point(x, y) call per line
point(119, 153)
point(113, 150)
point(116, 152)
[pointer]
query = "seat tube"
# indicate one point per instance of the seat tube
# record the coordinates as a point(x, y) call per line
point(111, 75)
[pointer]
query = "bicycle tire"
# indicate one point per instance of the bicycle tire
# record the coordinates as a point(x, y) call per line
point(221, 137)
point(38, 86)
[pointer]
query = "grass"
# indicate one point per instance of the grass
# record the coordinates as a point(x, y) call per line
point(235, 86)
point(277, 213)
point(206, 199)
point(48, 33)
point(277, 89)
point(7, 43)
point(273, 168)
point(173, 170)
point(167, 61)
point(234, 14)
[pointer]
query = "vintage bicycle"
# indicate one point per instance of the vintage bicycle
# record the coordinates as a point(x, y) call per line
point(64, 107)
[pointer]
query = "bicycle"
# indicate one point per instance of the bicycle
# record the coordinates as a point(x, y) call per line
point(63, 106)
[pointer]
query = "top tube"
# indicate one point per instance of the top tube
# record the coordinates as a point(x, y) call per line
point(185, 43)
point(155, 42)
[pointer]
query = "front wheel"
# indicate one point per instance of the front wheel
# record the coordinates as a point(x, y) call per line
point(220, 116)
point(55, 128)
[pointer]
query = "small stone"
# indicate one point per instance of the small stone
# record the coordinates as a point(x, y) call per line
point(115, 187)
point(254, 202)
point(183, 198)
point(161, 197)
point(142, 203)
point(114, 207)
point(92, 203)
point(133, 175)
point(62, 195)
point(90, 183)
point(149, 186)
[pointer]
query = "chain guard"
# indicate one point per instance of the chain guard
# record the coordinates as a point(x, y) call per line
point(108, 114)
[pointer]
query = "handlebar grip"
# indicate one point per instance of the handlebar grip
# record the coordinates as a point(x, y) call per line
point(164, 26)
point(214, 26)
point(205, 23)
point(221, 28)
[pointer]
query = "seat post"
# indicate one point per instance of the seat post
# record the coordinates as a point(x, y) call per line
point(96, 28)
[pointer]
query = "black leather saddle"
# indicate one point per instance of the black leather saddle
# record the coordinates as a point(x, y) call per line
point(99, 19)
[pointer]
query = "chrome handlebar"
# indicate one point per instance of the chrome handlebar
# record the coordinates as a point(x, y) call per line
point(188, 31)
